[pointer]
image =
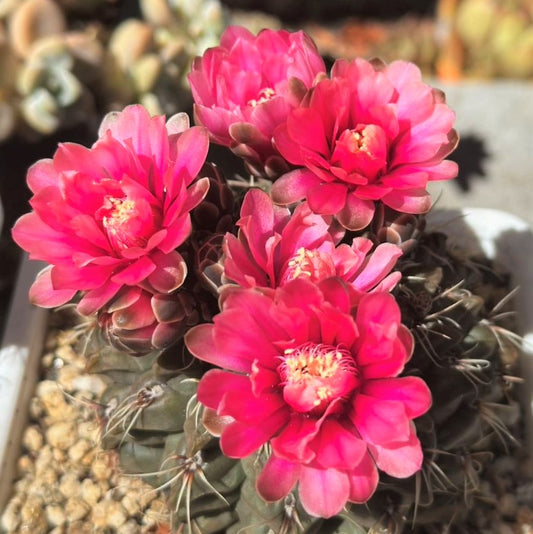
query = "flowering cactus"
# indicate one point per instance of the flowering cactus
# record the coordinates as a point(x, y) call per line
point(112, 215)
point(274, 246)
point(311, 356)
point(370, 133)
point(317, 383)
point(245, 87)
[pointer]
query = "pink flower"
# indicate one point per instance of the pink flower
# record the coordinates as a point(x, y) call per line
point(274, 246)
point(246, 86)
point(112, 215)
point(316, 382)
point(371, 133)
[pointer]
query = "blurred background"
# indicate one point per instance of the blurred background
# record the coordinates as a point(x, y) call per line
point(65, 63)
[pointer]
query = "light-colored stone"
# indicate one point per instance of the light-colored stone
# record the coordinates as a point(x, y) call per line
point(59, 456)
point(76, 509)
point(48, 476)
point(89, 383)
point(69, 485)
point(89, 430)
point(101, 468)
point(36, 408)
point(53, 400)
point(32, 516)
point(68, 355)
point(157, 512)
point(77, 451)
point(66, 377)
point(91, 492)
point(131, 503)
point(62, 435)
point(55, 515)
point(130, 527)
point(11, 515)
point(108, 513)
point(23, 485)
point(44, 459)
point(32, 438)
point(25, 465)
point(81, 527)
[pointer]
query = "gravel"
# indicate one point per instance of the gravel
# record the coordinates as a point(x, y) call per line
point(66, 484)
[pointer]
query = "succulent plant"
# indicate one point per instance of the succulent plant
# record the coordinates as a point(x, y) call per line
point(69, 62)
point(148, 60)
point(303, 356)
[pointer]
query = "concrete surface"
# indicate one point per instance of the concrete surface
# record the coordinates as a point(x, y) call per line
point(495, 154)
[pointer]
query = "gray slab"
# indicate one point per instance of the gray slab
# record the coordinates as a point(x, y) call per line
point(495, 122)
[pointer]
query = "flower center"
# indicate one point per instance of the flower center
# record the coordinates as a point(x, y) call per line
point(312, 264)
point(264, 95)
point(313, 375)
point(128, 223)
point(362, 150)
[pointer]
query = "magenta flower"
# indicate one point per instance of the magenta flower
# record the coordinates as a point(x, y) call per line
point(274, 247)
point(317, 383)
point(245, 87)
point(371, 133)
point(112, 215)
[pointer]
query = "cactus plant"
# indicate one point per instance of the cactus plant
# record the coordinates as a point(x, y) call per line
point(291, 353)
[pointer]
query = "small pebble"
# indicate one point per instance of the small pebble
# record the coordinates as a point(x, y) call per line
point(66, 377)
point(32, 438)
point(131, 503)
point(100, 468)
point(108, 513)
point(88, 430)
point(90, 491)
point(32, 517)
point(48, 476)
point(68, 355)
point(76, 509)
point(44, 459)
point(36, 409)
point(93, 383)
point(55, 515)
point(62, 435)
point(130, 527)
point(80, 527)
point(157, 511)
point(11, 515)
point(25, 465)
point(59, 456)
point(69, 485)
point(77, 451)
point(23, 485)
point(53, 400)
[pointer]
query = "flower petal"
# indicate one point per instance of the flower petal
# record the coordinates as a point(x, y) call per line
point(277, 478)
point(293, 186)
point(399, 459)
point(411, 391)
point(42, 292)
point(363, 480)
point(323, 492)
